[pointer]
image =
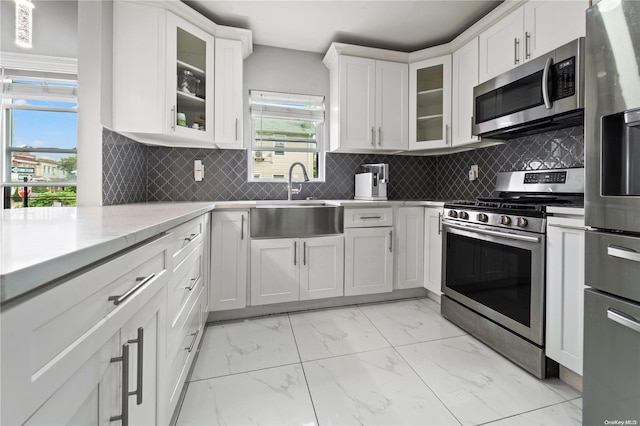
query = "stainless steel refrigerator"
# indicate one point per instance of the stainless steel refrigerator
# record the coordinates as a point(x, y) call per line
point(611, 381)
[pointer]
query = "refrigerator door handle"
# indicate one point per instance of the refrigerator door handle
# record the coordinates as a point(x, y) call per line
point(623, 253)
point(623, 320)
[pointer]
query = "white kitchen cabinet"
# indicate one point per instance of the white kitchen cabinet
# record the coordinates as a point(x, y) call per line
point(322, 269)
point(464, 79)
point(430, 103)
point(410, 247)
point(291, 269)
point(531, 30)
point(274, 271)
point(229, 260)
point(369, 105)
point(565, 291)
point(433, 249)
point(228, 93)
point(146, 103)
point(368, 265)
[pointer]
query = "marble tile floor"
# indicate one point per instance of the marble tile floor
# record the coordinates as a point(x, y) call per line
point(389, 364)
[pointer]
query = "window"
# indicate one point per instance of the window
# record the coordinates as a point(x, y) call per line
point(286, 128)
point(39, 140)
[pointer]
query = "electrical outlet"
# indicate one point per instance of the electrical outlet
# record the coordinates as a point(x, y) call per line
point(473, 172)
point(198, 170)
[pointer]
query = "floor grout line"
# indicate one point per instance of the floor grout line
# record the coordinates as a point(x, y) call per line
point(244, 372)
point(304, 373)
point(525, 412)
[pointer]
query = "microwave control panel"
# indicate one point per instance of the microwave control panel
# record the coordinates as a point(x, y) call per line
point(565, 76)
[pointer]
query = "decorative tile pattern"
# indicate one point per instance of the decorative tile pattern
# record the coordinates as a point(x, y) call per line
point(133, 172)
point(124, 169)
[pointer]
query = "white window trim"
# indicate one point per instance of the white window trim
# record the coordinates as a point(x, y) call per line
point(320, 137)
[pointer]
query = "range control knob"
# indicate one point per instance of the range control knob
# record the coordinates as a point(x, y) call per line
point(453, 214)
point(482, 217)
point(464, 215)
point(505, 220)
point(521, 222)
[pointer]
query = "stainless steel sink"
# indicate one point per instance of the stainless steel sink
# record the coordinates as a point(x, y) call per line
point(296, 219)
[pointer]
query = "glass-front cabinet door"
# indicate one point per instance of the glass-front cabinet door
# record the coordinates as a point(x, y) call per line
point(190, 97)
point(430, 104)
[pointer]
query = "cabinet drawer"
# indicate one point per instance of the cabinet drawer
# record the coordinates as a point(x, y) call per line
point(185, 238)
point(187, 345)
point(49, 337)
point(368, 217)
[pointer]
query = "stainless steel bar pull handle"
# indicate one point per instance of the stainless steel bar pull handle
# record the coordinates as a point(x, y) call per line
point(193, 282)
point(193, 341)
point(124, 359)
point(623, 253)
point(390, 241)
point(379, 136)
point(496, 233)
point(295, 253)
point(516, 47)
point(373, 137)
point(191, 237)
point(121, 298)
point(439, 223)
point(139, 340)
point(304, 252)
point(624, 320)
point(370, 217)
point(242, 228)
point(545, 86)
point(446, 134)
point(173, 118)
point(527, 45)
point(236, 138)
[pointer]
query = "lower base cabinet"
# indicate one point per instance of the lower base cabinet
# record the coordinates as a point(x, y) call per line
point(433, 249)
point(410, 252)
point(368, 266)
point(565, 291)
point(291, 269)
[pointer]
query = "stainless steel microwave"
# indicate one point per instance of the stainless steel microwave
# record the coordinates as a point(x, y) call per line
point(543, 94)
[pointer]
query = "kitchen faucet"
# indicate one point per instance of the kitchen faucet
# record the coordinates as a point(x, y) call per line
point(290, 189)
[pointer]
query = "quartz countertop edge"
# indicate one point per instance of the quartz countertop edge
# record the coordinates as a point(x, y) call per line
point(40, 245)
point(62, 240)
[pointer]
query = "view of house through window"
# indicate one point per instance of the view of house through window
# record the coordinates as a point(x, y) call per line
point(39, 135)
point(287, 128)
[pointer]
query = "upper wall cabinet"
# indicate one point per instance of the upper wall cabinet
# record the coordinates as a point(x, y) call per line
point(164, 80)
point(529, 31)
point(465, 78)
point(368, 104)
point(430, 103)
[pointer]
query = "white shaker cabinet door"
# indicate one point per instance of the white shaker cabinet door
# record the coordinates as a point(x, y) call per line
point(229, 263)
point(368, 261)
point(392, 106)
point(433, 250)
point(228, 93)
point(274, 271)
point(565, 292)
point(465, 78)
point(549, 24)
point(410, 243)
point(502, 46)
point(322, 267)
point(357, 102)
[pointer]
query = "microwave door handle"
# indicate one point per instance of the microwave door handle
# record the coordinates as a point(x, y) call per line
point(545, 83)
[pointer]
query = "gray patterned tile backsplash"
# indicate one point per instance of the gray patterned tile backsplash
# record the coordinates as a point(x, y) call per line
point(133, 172)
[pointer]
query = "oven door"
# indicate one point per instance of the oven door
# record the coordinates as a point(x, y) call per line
point(497, 274)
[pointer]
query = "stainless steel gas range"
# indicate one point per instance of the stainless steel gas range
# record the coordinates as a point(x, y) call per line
point(494, 262)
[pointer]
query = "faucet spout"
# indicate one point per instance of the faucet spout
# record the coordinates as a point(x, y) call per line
point(290, 189)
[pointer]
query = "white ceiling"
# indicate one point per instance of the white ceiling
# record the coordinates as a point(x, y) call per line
point(312, 25)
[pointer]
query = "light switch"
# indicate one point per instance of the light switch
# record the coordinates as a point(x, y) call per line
point(198, 170)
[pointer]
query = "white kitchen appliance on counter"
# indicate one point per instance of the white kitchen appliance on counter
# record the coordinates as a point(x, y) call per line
point(372, 184)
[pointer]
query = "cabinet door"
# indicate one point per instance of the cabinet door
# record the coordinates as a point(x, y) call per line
point(433, 250)
point(392, 89)
point(141, 333)
point(565, 292)
point(549, 24)
point(229, 265)
point(190, 63)
point(502, 46)
point(91, 396)
point(430, 103)
point(274, 271)
point(465, 78)
point(228, 93)
point(410, 243)
point(368, 261)
point(322, 268)
point(357, 102)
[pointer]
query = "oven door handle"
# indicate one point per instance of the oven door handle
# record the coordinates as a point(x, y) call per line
point(497, 234)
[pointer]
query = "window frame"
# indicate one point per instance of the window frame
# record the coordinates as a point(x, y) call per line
point(320, 139)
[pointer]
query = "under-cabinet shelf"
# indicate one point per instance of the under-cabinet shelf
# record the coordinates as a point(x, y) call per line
point(195, 70)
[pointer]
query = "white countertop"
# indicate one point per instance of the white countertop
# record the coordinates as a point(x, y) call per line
point(560, 210)
point(40, 244)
